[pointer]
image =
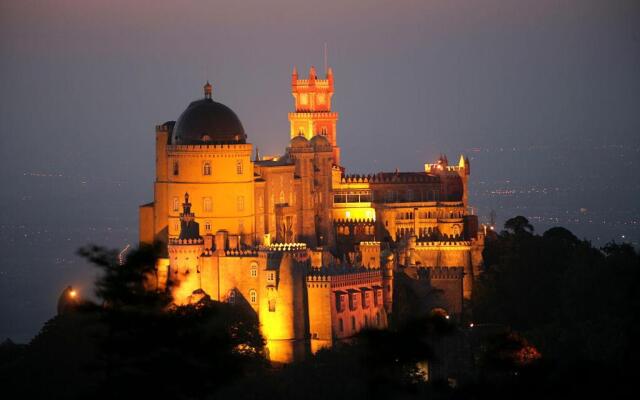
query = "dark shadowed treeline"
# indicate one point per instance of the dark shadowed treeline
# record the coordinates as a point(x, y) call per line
point(552, 317)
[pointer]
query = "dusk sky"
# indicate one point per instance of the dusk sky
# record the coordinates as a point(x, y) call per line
point(542, 95)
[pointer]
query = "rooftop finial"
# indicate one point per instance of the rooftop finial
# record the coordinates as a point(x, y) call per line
point(207, 90)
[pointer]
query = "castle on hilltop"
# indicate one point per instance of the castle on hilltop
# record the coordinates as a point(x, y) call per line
point(312, 250)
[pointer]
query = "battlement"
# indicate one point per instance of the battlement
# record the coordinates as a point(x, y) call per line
point(390, 177)
point(445, 272)
point(284, 247)
point(176, 241)
point(432, 244)
point(344, 221)
point(315, 114)
point(311, 82)
point(240, 253)
point(429, 168)
point(212, 146)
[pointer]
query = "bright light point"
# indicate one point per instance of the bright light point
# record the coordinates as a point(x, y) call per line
point(446, 316)
point(471, 325)
point(73, 294)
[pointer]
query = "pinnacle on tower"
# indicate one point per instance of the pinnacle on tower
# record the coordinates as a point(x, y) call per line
point(208, 90)
point(189, 228)
point(294, 75)
point(312, 73)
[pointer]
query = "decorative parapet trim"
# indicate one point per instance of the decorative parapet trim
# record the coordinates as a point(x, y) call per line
point(343, 221)
point(280, 247)
point(174, 241)
point(241, 253)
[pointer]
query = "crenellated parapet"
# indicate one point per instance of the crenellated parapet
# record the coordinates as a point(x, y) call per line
point(241, 252)
point(181, 242)
point(351, 221)
point(284, 247)
point(453, 273)
point(390, 177)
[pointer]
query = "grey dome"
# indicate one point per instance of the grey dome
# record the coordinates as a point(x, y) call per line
point(208, 122)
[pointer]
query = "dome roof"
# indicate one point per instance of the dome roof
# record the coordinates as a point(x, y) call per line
point(206, 121)
point(299, 141)
point(319, 140)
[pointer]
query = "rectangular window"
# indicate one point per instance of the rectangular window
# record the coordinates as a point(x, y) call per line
point(206, 168)
point(239, 167)
point(339, 198)
point(240, 203)
point(176, 204)
point(206, 204)
point(341, 325)
point(176, 168)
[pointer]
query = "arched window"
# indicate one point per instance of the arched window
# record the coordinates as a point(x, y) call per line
point(323, 131)
point(353, 323)
point(239, 167)
point(254, 270)
point(176, 204)
point(207, 226)
point(378, 319)
point(231, 298)
point(206, 168)
point(253, 296)
point(341, 325)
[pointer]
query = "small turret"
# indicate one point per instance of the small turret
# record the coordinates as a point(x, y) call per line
point(312, 74)
point(208, 90)
point(294, 76)
point(387, 281)
point(189, 228)
point(330, 77)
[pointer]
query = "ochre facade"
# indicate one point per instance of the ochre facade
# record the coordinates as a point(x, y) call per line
point(312, 250)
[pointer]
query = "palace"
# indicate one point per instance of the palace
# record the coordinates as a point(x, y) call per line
point(312, 250)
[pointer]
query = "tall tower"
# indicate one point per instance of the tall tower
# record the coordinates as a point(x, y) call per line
point(313, 115)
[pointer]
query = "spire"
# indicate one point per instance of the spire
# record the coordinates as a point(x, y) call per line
point(312, 73)
point(257, 158)
point(330, 76)
point(207, 90)
point(294, 75)
point(189, 228)
point(462, 162)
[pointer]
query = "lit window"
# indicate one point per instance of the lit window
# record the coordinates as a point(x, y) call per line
point(176, 168)
point(206, 168)
point(253, 296)
point(207, 204)
point(254, 270)
point(176, 204)
point(207, 226)
point(323, 131)
point(240, 203)
point(239, 167)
